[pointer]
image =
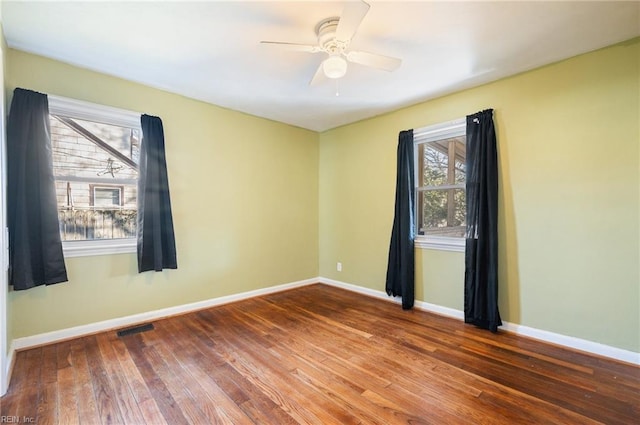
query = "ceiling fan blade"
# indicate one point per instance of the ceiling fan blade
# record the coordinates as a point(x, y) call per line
point(352, 15)
point(318, 77)
point(374, 60)
point(293, 46)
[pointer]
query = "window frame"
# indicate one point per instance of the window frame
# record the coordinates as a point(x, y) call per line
point(81, 110)
point(432, 133)
point(94, 187)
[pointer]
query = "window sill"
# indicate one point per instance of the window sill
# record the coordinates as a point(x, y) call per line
point(98, 247)
point(440, 243)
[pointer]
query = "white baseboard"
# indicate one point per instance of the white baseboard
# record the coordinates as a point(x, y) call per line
point(574, 343)
point(105, 325)
point(546, 336)
point(77, 331)
point(434, 308)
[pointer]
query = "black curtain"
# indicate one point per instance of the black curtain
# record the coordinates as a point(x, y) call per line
point(35, 249)
point(400, 270)
point(156, 241)
point(481, 255)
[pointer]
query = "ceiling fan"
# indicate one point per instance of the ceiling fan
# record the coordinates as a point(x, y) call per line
point(334, 36)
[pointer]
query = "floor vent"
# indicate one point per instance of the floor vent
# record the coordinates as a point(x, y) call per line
point(136, 329)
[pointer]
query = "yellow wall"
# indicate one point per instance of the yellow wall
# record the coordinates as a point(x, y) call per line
point(245, 205)
point(569, 218)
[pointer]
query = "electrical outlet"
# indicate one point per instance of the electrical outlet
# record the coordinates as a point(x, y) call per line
point(339, 267)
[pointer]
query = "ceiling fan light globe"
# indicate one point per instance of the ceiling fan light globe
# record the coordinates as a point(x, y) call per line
point(334, 67)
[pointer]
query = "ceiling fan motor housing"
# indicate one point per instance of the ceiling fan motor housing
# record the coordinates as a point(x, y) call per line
point(326, 31)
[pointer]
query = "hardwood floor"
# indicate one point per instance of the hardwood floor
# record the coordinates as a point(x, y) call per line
point(317, 355)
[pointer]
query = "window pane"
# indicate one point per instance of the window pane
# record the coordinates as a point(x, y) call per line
point(106, 196)
point(460, 164)
point(89, 223)
point(443, 212)
point(87, 155)
point(435, 165)
point(435, 159)
point(124, 140)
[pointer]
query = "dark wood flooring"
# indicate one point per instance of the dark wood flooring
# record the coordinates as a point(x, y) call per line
point(317, 355)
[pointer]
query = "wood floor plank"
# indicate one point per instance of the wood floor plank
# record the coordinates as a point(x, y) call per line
point(47, 404)
point(151, 412)
point(83, 385)
point(553, 391)
point(398, 412)
point(171, 376)
point(254, 403)
point(546, 370)
point(348, 394)
point(220, 408)
point(510, 348)
point(103, 388)
point(67, 408)
point(125, 401)
point(130, 373)
point(19, 401)
point(318, 355)
point(157, 387)
point(251, 359)
point(49, 364)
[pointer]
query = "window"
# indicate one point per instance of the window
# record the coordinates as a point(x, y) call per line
point(106, 196)
point(440, 162)
point(95, 165)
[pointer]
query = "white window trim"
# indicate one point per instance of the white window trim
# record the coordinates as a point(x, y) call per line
point(440, 243)
point(433, 133)
point(440, 131)
point(74, 108)
point(98, 247)
point(93, 112)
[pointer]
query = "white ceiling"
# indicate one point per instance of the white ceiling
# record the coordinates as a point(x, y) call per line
point(211, 51)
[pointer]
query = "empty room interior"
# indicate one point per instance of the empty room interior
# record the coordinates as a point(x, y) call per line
point(339, 212)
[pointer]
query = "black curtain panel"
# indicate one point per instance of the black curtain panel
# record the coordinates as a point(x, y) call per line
point(156, 241)
point(35, 249)
point(481, 255)
point(400, 270)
